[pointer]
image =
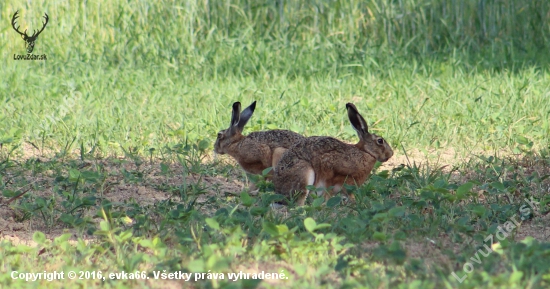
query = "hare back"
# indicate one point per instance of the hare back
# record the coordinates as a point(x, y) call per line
point(261, 150)
point(331, 159)
point(274, 138)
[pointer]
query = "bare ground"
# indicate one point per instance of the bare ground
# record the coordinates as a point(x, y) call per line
point(147, 192)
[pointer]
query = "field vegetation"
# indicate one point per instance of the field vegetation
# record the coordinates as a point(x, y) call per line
point(106, 147)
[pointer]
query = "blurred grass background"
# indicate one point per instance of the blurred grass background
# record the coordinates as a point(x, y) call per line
point(468, 75)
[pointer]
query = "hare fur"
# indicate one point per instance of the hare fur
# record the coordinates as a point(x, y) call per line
point(326, 162)
point(258, 150)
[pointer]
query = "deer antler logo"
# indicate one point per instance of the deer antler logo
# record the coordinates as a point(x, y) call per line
point(29, 40)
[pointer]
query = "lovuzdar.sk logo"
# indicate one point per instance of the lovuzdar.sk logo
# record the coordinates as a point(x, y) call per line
point(29, 40)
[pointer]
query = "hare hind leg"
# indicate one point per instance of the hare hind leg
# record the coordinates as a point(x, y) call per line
point(309, 175)
point(298, 185)
point(292, 182)
point(276, 156)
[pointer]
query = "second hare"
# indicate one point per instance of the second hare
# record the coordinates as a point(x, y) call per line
point(325, 161)
point(258, 150)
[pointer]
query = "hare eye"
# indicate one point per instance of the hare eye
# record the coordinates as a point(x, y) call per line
point(380, 141)
point(220, 135)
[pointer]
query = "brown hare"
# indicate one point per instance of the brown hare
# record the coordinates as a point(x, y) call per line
point(258, 150)
point(324, 161)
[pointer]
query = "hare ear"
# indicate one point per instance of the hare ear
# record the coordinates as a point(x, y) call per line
point(235, 115)
point(357, 121)
point(246, 115)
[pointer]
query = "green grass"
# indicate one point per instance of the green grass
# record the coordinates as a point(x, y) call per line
point(411, 227)
point(110, 65)
point(133, 94)
point(472, 111)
